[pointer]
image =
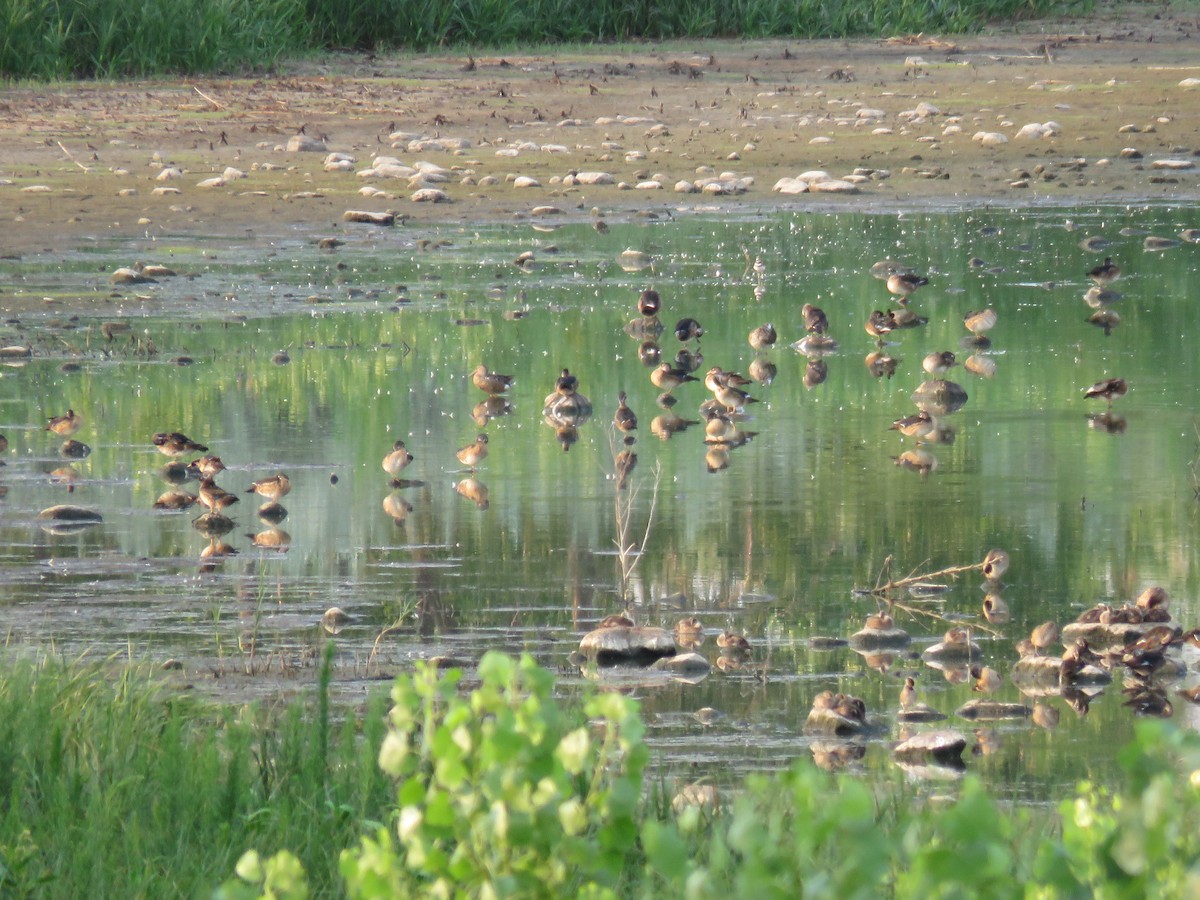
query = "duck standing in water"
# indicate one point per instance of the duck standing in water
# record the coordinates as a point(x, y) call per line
point(625, 419)
point(902, 284)
point(473, 454)
point(396, 461)
point(490, 382)
point(1105, 273)
point(688, 330)
point(763, 336)
point(174, 443)
point(214, 497)
point(1107, 390)
point(271, 488)
point(66, 424)
point(649, 303)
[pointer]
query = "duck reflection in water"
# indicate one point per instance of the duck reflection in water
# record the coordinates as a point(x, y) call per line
point(624, 463)
point(1107, 423)
point(919, 460)
point(1105, 319)
point(475, 491)
point(880, 364)
point(717, 458)
point(397, 508)
point(815, 373)
point(763, 371)
point(272, 538)
point(492, 408)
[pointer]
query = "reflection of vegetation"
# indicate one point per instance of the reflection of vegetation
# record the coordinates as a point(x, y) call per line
point(629, 552)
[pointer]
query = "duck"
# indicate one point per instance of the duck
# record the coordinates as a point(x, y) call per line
point(1107, 390)
point(214, 497)
point(731, 640)
point(490, 382)
point(938, 364)
point(1105, 273)
point(918, 425)
point(174, 443)
point(763, 336)
point(995, 564)
point(980, 320)
point(1154, 597)
point(880, 323)
point(815, 320)
point(688, 330)
point(271, 488)
point(625, 419)
point(908, 693)
point(880, 621)
point(66, 424)
point(666, 377)
point(1043, 636)
point(175, 500)
point(473, 454)
point(733, 399)
point(717, 378)
point(902, 284)
point(207, 466)
point(615, 621)
point(987, 679)
point(566, 384)
point(396, 461)
point(649, 303)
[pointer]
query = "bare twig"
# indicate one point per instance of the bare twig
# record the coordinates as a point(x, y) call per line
point(208, 98)
point(70, 157)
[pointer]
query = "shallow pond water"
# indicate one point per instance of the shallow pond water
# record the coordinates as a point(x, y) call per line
point(770, 538)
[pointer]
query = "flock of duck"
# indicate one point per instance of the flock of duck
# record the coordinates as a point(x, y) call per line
point(202, 469)
point(1138, 644)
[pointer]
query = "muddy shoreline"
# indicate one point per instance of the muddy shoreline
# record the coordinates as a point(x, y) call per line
point(82, 162)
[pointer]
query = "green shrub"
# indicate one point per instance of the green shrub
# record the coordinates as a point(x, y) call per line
point(502, 793)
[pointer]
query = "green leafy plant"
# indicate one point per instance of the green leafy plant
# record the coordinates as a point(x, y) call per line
point(501, 792)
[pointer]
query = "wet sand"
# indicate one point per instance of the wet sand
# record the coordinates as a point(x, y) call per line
point(82, 161)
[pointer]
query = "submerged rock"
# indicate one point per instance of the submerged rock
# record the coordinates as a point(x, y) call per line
point(989, 710)
point(1039, 675)
point(944, 746)
point(689, 666)
point(639, 645)
point(64, 518)
point(892, 638)
point(919, 712)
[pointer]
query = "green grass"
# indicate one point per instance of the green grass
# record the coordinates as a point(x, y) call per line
point(57, 39)
point(121, 788)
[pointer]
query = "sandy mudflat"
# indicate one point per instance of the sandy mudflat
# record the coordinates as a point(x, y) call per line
point(1112, 114)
